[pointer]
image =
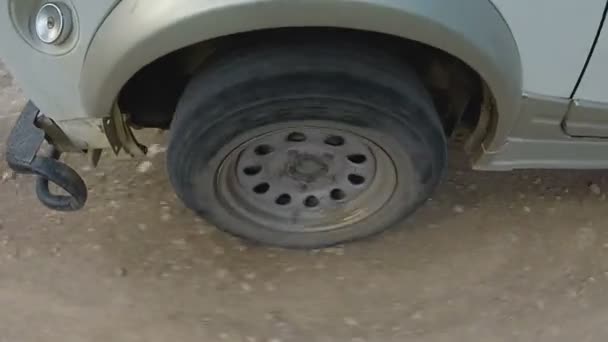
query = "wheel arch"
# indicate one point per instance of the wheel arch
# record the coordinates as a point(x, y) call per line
point(134, 35)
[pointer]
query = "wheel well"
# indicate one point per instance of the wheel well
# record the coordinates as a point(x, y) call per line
point(151, 95)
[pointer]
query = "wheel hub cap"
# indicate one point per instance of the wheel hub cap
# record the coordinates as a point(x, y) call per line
point(306, 167)
point(308, 178)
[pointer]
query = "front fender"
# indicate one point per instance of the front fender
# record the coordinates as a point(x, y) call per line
point(136, 33)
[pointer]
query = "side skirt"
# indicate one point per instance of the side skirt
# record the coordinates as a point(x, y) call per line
point(553, 133)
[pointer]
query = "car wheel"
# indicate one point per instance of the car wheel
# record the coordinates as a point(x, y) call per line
point(307, 145)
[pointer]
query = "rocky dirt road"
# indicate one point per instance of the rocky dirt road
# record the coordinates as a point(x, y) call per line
point(519, 256)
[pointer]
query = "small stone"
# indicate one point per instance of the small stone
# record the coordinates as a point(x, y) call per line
point(555, 330)
point(540, 305)
point(121, 272)
point(595, 189)
point(8, 175)
point(250, 276)
point(537, 181)
point(472, 187)
point(572, 293)
point(514, 238)
point(270, 287)
point(155, 149)
point(274, 339)
point(224, 336)
point(416, 315)
point(165, 217)
point(334, 250)
point(527, 210)
point(144, 167)
point(221, 273)
point(29, 252)
point(178, 242)
point(246, 287)
point(350, 321)
point(251, 339)
point(586, 237)
point(458, 209)
point(142, 226)
point(218, 250)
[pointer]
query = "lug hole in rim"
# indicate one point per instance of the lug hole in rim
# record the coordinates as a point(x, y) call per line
point(284, 199)
point(334, 140)
point(252, 170)
point(263, 150)
point(296, 137)
point(312, 173)
point(311, 202)
point(261, 188)
point(337, 194)
point(357, 158)
point(356, 179)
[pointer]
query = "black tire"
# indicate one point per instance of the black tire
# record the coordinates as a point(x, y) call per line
point(348, 85)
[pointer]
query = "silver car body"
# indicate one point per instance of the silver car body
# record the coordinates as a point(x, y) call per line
point(544, 62)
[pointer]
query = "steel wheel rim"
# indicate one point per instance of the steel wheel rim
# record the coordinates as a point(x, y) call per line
point(306, 177)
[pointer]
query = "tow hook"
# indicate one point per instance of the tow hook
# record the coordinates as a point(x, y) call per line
point(23, 156)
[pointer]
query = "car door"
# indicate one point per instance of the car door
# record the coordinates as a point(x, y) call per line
point(588, 114)
point(554, 38)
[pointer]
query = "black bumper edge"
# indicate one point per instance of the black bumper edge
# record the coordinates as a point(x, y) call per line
point(22, 156)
